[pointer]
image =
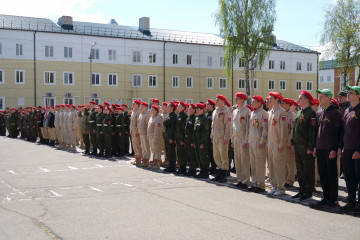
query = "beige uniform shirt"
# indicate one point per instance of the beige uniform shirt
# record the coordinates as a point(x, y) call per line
point(290, 118)
point(155, 128)
point(57, 119)
point(240, 123)
point(133, 121)
point(277, 126)
point(64, 119)
point(221, 124)
point(142, 122)
point(258, 125)
point(72, 120)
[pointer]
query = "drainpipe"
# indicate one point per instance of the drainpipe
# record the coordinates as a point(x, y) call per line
point(317, 73)
point(164, 73)
point(232, 80)
point(35, 68)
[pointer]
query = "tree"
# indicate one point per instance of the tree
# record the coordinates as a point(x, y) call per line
point(246, 26)
point(341, 30)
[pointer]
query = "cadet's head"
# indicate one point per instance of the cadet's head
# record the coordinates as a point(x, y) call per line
point(154, 110)
point(353, 95)
point(200, 108)
point(286, 103)
point(275, 98)
point(181, 107)
point(257, 102)
point(136, 104)
point(164, 106)
point(155, 102)
point(240, 98)
point(192, 109)
point(305, 99)
point(210, 105)
point(99, 108)
point(144, 107)
point(171, 107)
point(325, 96)
point(220, 100)
point(342, 97)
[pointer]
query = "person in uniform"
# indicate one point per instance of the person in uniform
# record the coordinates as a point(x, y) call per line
point(220, 136)
point(180, 137)
point(85, 128)
point(350, 144)
point(45, 128)
point(142, 124)
point(100, 138)
point(2, 124)
point(277, 139)
point(239, 139)
point(40, 123)
point(329, 123)
point(169, 136)
point(79, 137)
point(92, 127)
point(72, 127)
point(258, 128)
point(155, 135)
point(114, 136)
point(126, 135)
point(34, 122)
point(21, 124)
point(56, 124)
point(107, 131)
point(303, 144)
point(65, 130)
point(164, 113)
point(135, 137)
point(50, 124)
point(290, 172)
point(189, 141)
point(120, 132)
point(210, 106)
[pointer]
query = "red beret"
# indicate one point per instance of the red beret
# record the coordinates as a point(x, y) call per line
point(67, 105)
point(117, 105)
point(276, 95)
point(137, 102)
point(210, 101)
point(315, 102)
point(52, 107)
point(241, 95)
point(62, 105)
point(250, 107)
point(335, 102)
point(101, 106)
point(108, 108)
point(193, 105)
point(155, 100)
point(155, 107)
point(295, 103)
point(201, 105)
point(106, 104)
point(267, 98)
point(287, 101)
point(92, 102)
point(307, 94)
point(124, 105)
point(57, 106)
point(119, 108)
point(73, 106)
point(145, 104)
point(173, 104)
point(165, 103)
point(182, 103)
point(259, 98)
point(227, 103)
point(221, 97)
point(43, 108)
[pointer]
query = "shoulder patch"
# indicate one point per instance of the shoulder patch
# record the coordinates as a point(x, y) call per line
point(283, 118)
point(159, 124)
point(313, 122)
point(229, 119)
point(266, 120)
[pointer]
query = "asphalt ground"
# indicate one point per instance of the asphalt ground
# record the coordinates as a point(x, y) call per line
point(47, 193)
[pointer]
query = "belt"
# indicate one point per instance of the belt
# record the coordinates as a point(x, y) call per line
point(91, 121)
point(118, 125)
point(112, 125)
point(38, 121)
point(99, 125)
point(104, 125)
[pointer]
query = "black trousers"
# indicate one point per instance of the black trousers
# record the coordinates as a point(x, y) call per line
point(352, 174)
point(328, 174)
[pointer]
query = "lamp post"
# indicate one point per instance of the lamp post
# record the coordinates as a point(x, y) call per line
point(90, 58)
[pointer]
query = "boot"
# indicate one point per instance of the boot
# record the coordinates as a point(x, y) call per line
point(171, 168)
point(156, 164)
point(144, 163)
point(101, 153)
point(191, 173)
point(165, 163)
point(218, 175)
point(182, 170)
point(213, 169)
point(137, 162)
point(94, 152)
point(200, 173)
point(223, 177)
point(87, 151)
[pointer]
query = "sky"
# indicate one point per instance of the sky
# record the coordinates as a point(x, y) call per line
point(298, 21)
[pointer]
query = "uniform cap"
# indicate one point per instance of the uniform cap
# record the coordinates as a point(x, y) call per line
point(73, 106)
point(183, 104)
point(155, 107)
point(200, 105)
point(137, 102)
point(145, 104)
point(221, 97)
point(67, 105)
point(92, 102)
point(227, 103)
point(307, 94)
point(57, 106)
point(315, 102)
point(250, 107)
point(276, 95)
point(355, 88)
point(165, 103)
point(325, 91)
point(342, 93)
point(155, 100)
point(52, 107)
point(124, 105)
point(108, 108)
point(295, 103)
point(287, 101)
point(193, 105)
point(335, 102)
point(241, 95)
point(119, 108)
point(106, 104)
point(117, 105)
point(259, 98)
point(62, 105)
point(210, 101)
point(101, 106)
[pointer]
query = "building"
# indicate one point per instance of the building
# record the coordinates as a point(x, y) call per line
point(45, 62)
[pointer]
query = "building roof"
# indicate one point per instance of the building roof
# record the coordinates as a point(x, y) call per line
point(119, 31)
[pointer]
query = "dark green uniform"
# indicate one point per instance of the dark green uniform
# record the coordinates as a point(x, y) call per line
point(13, 131)
point(201, 135)
point(189, 139)
point(180, 138)
point(33, 126)
point(107, 129)
point(2, 125)
point(303, 139)
point(169, 134)
point(126, 137)
point(210, 145)
point(119, 134)
point(85, 130)
point(92, 128)
point(114, 148)
point(21, 127)
point(100, 138)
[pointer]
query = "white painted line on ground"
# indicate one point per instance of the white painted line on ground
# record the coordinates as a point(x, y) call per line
point(12, 172)
point(72, 168)
point(125, 184)
point(95, 189)
point(7, 199)
point(55, 194)
point(156, 180)
point(100, 166)
point(25, 199)
point(44, 169)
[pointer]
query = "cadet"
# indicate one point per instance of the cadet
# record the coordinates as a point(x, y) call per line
point(107, 131)
point(92, 127)
point(329, 123)
point(50, 125)
point(169, 136)
point(155, 134)
point(201, 134)
point(2, 124)
point(135, 137)
point(65, 130)
point(21, 124)
point(189, 141)
point(126, 136)
point(351, 146)
point(114, 136)
point(142, 124)
point(258, 129)
point(239, 140)
point(180, 137)
point(163, 114)
point(220, 136)
point(210, 105)
point(85, 129)
point(72, 122)
point(79, 137)
point(303, 142)
point(120, 131)
point(57, 123)
point(343, 105)
point(100, 139)
point(277, 139)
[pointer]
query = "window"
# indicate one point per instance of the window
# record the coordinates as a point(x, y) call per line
point(137, 80)
point(329, 79)
point(2, 76)
point(19, 49)
point(50, 78)
point(222, 83)
point(0, 48)
point(69, 101)
point(241, 62)
point(21, 101)
point(309, 86)
point(221, 61)
point(189, 82)
point(189, 100)
point(175, 59)
point(96, 100)
point(152, 81)
point(242, 83)
point(49, 101)
point(209, 61)
point(112, 55)
point(2, 103)
point(282, 85)
point(298, 66)
point(210, 82)
point(188, 59)
point(175, 81)
point(152, 57)
point(67, 52)
point(49, 51)
point(282, 65)
point(309, 67)
point(112, 79)
point(271, 64)
point(254, 84)
point(298, 86)
point(19, 76)
point(68, 78)
point(136, 56)
point(342, 81)
point(271, 84)
point(321, 79)
point(95, 53)
point(96, 79)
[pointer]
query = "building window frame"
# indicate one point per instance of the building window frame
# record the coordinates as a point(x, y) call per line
point(298, 86)
point(221, 61)
point(2, 103)
point(19, 74)
point(309, 85)
point(271, 64)
point(321, 79)
point(95, 53)
point(19, 49)
point(95, 79)
point(271, 84)
point(175, 58)
point(211, 81)
point(151, 80)
point(209, 61)
point(68, 52)
point(136, 55)
point(49, 51)
point(222, 83)
point(66, 77)
point(309, 67)
point(188, 59)
point(255, 82)
point(69, 100)
point(2, 76)
point(175, 81)
point(189, 100)
point(241, 62)
point(298, 66)
point(48, 76)
point(152, 57)
point(112, 54)
point(282, 88)
point(189, 81)
point(48, 100)
point(282, 65)
point(136, 81)
point(111, 80)
point(241, 83)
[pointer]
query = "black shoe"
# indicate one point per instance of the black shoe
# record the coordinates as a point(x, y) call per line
point(228, 173)
point(233, 170)
point(182, 170)
point(223, 177)
point(304, 197)
point(299, 195)
point(251, 189)
point(320, 204)
point(288, 185)
point(108, 156)
point(170, 169)
point(348, 207)
point(332, 205)
point(87, 151)
point(101, 153)
point(259, 190)
point(218, 175)
point(241, 185)
point(94, 152)
point(213, 170)
point(191, 173)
